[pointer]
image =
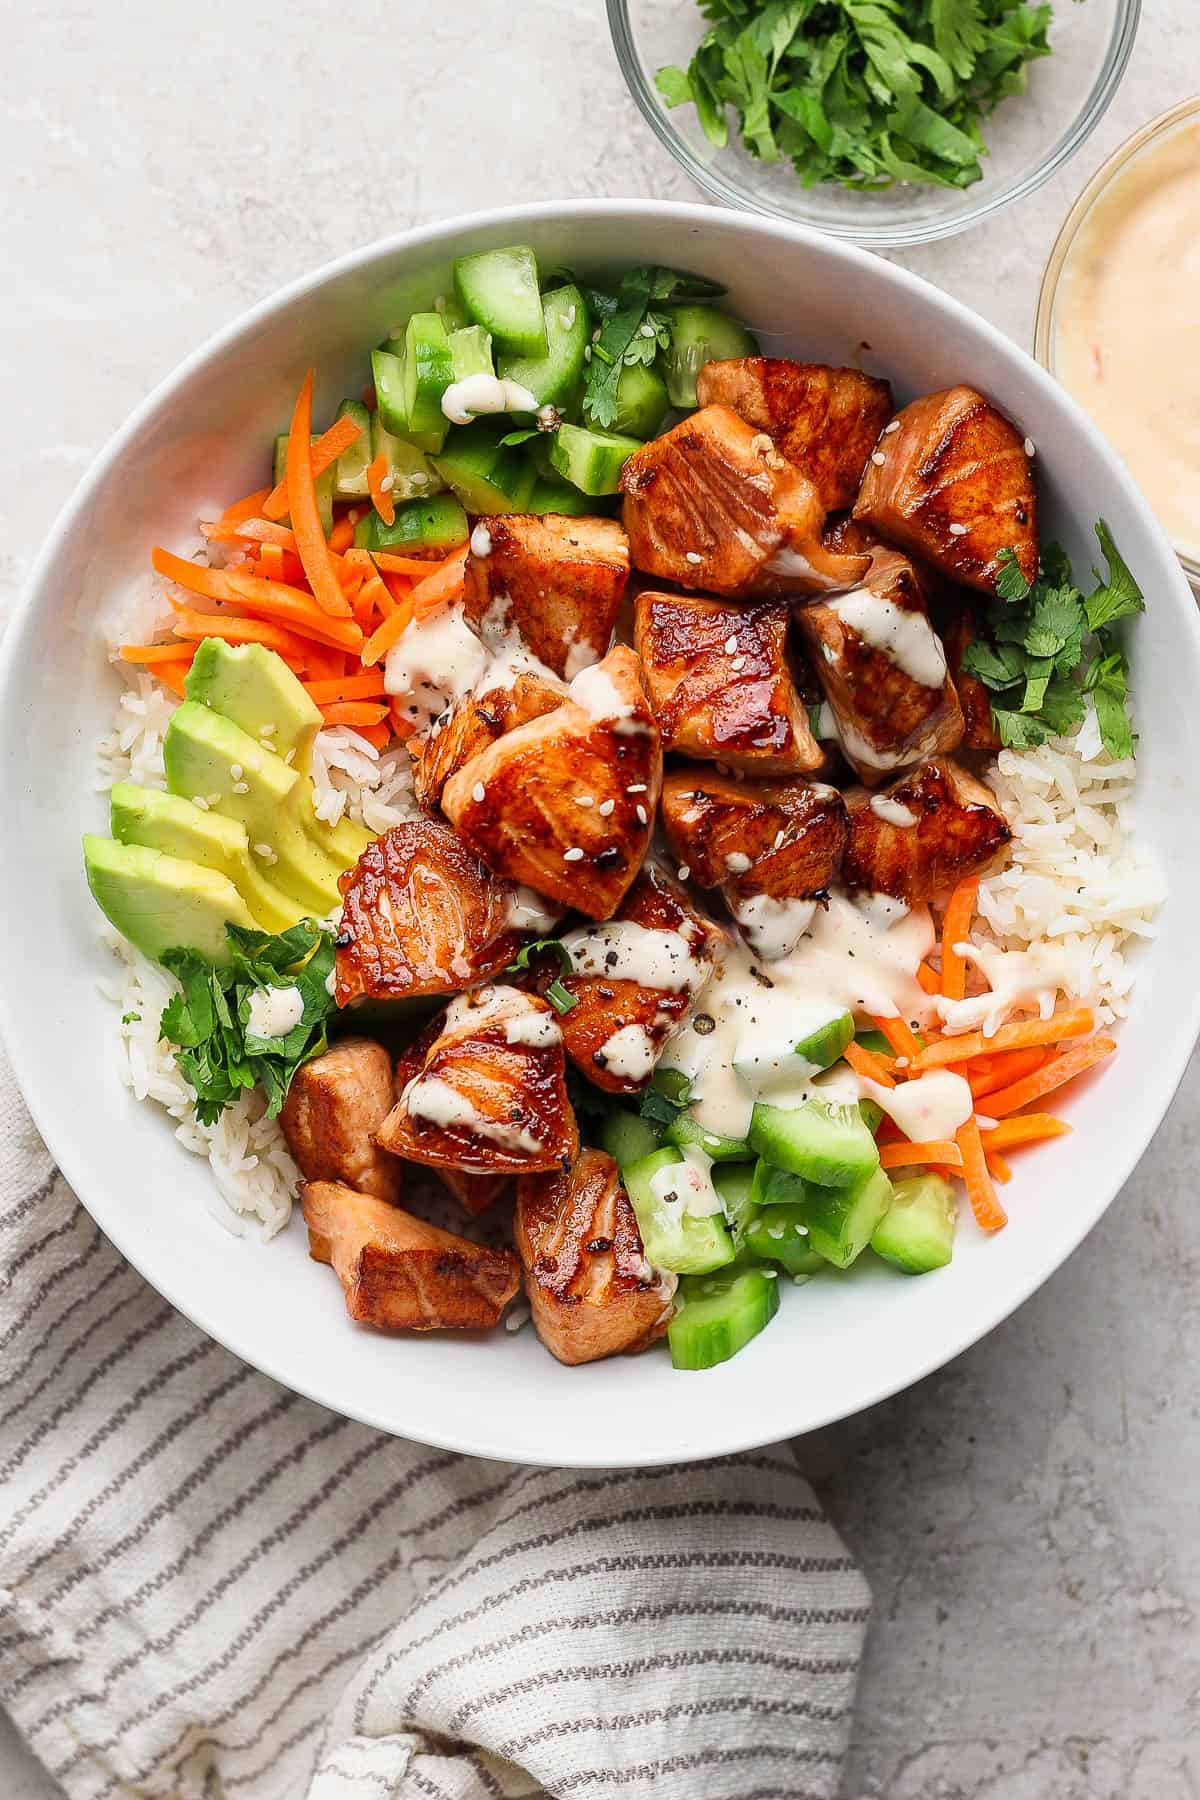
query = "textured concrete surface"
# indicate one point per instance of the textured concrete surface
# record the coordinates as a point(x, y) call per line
point(1028, 1516)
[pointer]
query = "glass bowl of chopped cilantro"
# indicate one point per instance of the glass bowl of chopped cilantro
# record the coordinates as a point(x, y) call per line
point(890, 122)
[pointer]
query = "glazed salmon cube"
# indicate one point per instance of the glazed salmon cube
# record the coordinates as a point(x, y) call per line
point(490, 1096)
point(565, 804)
point(473, 723)
point(476, 1194)
point(713, 505)
point(591, 1291)
point(955, 486)
point(959, 631)
point(930, 829)
point(334, 1107)
point(400, 1273)
point(824, 420)
point(556, 581)
point(883, 669)
point(720, 684)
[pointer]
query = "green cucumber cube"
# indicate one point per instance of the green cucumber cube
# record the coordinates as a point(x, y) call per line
point(350, 470)
point(700, 334)
point(685, 1130)
point(627, 1137)
point(780, 1234)
point(821, 1140)
point(841, 1221)
point(717, 1315)
point(917, 1230)
point(428, 372)
point(672, 1238)
point(591, 460)
point(500, 291)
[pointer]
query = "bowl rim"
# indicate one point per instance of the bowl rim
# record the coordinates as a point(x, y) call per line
point(69, 1150)
point(1110, 171)
point(880, 236)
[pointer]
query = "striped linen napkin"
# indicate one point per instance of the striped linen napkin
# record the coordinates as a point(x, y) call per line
point(210, 1587)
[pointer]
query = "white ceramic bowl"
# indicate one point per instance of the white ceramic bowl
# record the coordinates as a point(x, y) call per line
point(838, 1344)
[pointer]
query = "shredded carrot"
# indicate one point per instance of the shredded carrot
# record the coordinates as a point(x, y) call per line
point(1028, 1128)
point(294, 608)
point(349, 687)
point(381, 497)
point(1018, 1036)
point(172, 674)
point(868, 1064)
point(989, 1214)
point(956, 923)
point(928, 979)
point(445, 583)
point(235, 630)
point(151, 653)
point(341, 538)
point(900, 1036)
point(354, 712)
point(197, 578)
point(271, 562)
point(302, 505)
point(245, 509)
point(403, 724)
point(325, 451)
point(383, 600)
point(387, 634)
point(401, 565)
point(398, 586)
point(1002, 1070)
point(325, 664)
point(362, 602)
point(252, 530)
point(379, 735)
point(998, 1169)
point(1053, 1074)
point(903, 1155)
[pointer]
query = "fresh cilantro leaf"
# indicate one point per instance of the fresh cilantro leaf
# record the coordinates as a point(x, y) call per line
point(521, 437)
point(633, 330)
point(1010, 583)
point(1120, 595)
point(657, 1107)
point(996, 665)
point(959, 33)
point(131, 1018)
point(674, 84)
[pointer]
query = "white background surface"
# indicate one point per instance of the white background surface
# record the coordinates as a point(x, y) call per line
point(1027, 1517)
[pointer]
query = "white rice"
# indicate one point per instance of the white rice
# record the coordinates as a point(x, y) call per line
point(1075, 879)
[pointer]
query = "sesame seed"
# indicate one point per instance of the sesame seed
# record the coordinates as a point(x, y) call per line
point(267, 730)
point(647, 331)
point(241, 787)
point(730, 645)
point(637, 787)
point(605, 808)
point(478, 792)
point(878, 458)
point(587, 353)
point(585, 800)
point(387, 484)
point(683, 871)
point(200, 801)
point(894, 426)
point(214, 799)
point(575, 854)
point(596, 334)
point(235, 769)
point(779, 837)
point(694, 556)
point(642, 815)
point(354, 516)
point(1030, 447)
point(958, 531)
point(417, 479)
point(739, 663)
point(265, 853)
point(291, 755)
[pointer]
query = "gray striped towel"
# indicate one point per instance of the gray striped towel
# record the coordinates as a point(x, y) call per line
point(210, 1587)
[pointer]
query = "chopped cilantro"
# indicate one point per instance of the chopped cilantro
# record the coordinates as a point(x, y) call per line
point(131, 1018)
point(560, 998)
point(622, 338)
point(1048, 646)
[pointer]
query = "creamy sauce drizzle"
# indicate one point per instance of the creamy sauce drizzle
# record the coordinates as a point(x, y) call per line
point(275, 1011)
point(438, 660)
point(905, 638)
point(629, 1053)
point(466, 400)
point(1018, 981)
point(625, 951)
point(773, 927)
point(893, 812)
point(597, 693)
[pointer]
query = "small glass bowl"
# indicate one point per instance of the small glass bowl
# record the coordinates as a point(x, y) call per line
point(1149, 137)
point(1028, 136)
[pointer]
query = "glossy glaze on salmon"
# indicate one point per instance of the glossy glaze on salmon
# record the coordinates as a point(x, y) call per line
point(781, 838)
point(922, 834)
point(556, 581)
point(720, 682)
point(334, 1107)
point(474, 722)
point(400, 1273)
point(824, 420)
point(591, 1291)
point(960, 628)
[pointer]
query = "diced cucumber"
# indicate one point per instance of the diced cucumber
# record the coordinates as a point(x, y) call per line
point(471, 352)
point(735, 1182)
point(323, 484)
point(428, 372)
point(700, 334)
point(434, 526)
point(499, 289)
point(591, 460)
point(556, 496)
point(876, 1042)
point(556, 376)
point(673, 1239)
point(413, 475)
point(642, 401)
point(388, 375)
point(917, 1230)
point(454, 313)
point(686, 1130)
point(350, 470)
point(823, 1047)
point(487, 476)
point(626, 1137)
point(841, 1221)
point(717, 1315)
point(780, 1234)
point(672, 1084)
point(872, 1114)
point(821, 1140)
point(775, 1187)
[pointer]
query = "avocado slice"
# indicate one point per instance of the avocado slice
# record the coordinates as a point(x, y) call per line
point(202, 751)
point(166, 822)
point(162, 902)
point(256, 689)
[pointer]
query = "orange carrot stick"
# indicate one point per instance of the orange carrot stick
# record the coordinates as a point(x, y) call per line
point(928, 979)
point(253, 530)
point(387, 634)
point(197, 578)
point(1026, 1128)
point(151, 653)
point(291, 606)
point(1019, 1036)
point(302, 505)
point(1053, 1074)
point(903, 1155)
point(172, 674)
point(998, 1169)
point(1004, 1069)
point(900, 1036)
point(354, 712)
point(956, 923)
point(989, 1214)
point(246, 508)
point(235, 630)
point(379, 735)
point(270, 562)
point(867, 1064)
point(381, 497)
point(402, 565)
point(342, 536)
point(326, 450)
point(347, 687)
point(445, 583)
point(382, 598)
